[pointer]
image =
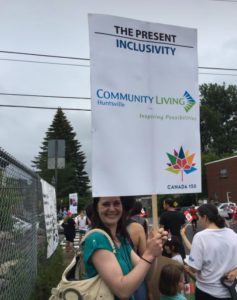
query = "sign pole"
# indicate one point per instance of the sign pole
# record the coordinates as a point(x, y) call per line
point(154, 211)
point(56, 166)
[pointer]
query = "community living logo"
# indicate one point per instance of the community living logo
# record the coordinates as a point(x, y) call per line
point(190, 101)
point(186, 101)
point(120, 99)
point(181, 162)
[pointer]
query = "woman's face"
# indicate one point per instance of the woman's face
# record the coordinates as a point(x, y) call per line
point(110, 210)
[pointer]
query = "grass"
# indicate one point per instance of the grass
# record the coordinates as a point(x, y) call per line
point(49, 274)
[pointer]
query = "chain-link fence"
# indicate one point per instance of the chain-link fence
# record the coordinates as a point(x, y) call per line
point(21, 216)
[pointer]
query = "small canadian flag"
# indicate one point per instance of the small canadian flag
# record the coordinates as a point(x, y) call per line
point(188, 216)
point(189, 288)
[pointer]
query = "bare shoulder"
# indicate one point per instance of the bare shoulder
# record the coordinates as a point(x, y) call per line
point(135, 227)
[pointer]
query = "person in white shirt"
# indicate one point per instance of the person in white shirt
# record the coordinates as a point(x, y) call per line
point(213, 255)
point(81, 222)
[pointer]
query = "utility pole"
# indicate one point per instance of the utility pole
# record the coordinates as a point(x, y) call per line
point(228, 196)
point(56, 158)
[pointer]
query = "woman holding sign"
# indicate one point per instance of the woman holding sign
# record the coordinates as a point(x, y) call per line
point(122, 271)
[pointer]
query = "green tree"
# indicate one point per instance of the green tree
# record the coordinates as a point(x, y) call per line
point(73, 178)
point(218, 122)
point(218, 118)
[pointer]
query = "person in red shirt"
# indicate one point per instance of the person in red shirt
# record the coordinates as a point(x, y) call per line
point(234, 215)
point(193, 213)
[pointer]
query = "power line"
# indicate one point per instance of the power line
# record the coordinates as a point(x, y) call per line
point(225, 0)
point(42, 55)
point(83, 98)
point(220, 69)
point(44, 107)
point(44, 96)
point(80, 65)
point(217, 74)
point(87, 59)
point(43, 62)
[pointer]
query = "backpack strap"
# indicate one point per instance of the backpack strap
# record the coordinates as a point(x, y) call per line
point(231, 286)
point(102, 232)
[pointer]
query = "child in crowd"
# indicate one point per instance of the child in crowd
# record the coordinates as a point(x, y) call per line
point(172, 249)
point(172, 282)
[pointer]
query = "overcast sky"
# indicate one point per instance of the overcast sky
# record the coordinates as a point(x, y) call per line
point(60, 28)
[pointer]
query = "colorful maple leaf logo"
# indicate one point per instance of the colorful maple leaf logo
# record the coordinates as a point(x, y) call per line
point(181, 162)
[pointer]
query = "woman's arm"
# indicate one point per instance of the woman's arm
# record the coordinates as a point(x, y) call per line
point(184, 237)
point(191, 271)
point(123, 286)
point(163, 236)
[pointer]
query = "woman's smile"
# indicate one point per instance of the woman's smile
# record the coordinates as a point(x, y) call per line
point(110, 210)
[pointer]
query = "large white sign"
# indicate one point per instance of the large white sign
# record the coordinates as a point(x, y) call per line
point(73, 201)
point(50, 216)
point(145, 108)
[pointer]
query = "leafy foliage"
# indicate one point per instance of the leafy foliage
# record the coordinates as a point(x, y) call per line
point(218, 118)
point(73, 178)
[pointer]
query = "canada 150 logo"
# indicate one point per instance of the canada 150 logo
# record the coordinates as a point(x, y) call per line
point(181, 162)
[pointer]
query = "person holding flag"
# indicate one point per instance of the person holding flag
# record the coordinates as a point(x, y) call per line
point(193, 213)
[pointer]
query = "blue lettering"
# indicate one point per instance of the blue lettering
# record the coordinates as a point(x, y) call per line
point(100, 90)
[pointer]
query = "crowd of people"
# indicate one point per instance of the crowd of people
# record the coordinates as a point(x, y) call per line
point(212, 255)
point(71, 223)
point(128, 270)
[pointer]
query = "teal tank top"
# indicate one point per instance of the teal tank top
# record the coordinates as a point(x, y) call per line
point(97, 241)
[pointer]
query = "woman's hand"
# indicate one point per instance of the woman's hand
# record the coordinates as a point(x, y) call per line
point(164, 234)
point(155, 244)
point(230, 276)
point(161, 231)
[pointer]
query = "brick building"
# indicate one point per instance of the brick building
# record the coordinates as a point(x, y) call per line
point(222, 179)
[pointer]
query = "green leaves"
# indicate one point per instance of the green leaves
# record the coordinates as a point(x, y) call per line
point(218, 118)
